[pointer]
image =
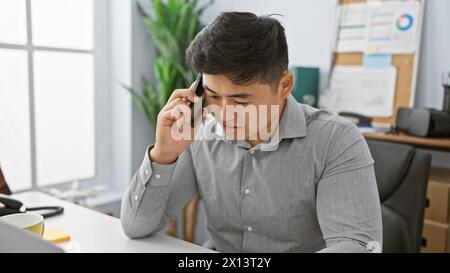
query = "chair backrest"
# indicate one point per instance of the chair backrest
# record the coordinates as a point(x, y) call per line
point(402, 176)
point(4, 189)
point(189, 221)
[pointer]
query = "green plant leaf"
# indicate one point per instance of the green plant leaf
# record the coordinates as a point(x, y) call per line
point(180, 25)
point(172, 24)
point(138, 101)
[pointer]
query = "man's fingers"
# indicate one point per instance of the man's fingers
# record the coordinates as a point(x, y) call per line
point(201, 118)
point(179, 119)
point(179, 110)
point(174, 103)
point(183, 94)
point(167, 118)
point(192, 86)
point(188, 94)
point(181, 125)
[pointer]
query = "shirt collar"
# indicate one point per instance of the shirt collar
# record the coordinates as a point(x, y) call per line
point(292, 124)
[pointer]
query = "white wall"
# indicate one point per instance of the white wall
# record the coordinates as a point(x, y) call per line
point(131, 54)
point(435, 56)
point(142, 66)
point(120, 73)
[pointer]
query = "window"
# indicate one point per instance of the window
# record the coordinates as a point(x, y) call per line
point(48, 86)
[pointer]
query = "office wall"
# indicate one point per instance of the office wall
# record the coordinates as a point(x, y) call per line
point(142, 55)
point(435, 55)
point(131, 52)
point(120, 103)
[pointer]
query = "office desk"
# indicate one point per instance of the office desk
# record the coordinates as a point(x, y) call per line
point(441, 144)
point(97, 232)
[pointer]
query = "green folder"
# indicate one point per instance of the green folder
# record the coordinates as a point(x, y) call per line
point(306, 85)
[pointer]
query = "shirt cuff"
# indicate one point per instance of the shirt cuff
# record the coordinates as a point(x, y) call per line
point(154, 173)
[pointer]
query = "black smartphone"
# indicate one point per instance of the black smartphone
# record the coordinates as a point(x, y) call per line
point(198, 90)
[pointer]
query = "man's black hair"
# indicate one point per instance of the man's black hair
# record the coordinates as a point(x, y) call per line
point(242, 46)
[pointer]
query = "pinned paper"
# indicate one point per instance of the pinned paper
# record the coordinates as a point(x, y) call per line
point(352, 27)
point(377, 60)
point(361, 90)
point(378, 27)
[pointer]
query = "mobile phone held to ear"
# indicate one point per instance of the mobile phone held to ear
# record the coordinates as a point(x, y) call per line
point(198, 90)
point(198, 87)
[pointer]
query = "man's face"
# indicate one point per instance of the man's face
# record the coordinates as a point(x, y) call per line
point(246, 112)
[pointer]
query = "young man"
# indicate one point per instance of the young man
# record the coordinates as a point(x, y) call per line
point(311, 188)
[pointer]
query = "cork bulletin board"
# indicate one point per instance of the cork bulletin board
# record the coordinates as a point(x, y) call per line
point(406, 65)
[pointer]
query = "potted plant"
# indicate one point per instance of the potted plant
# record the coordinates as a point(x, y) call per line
point(172, 26)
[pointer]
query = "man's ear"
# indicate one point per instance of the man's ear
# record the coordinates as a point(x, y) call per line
point(286, 84)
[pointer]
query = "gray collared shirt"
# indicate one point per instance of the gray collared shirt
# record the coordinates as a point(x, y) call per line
point(315, 192)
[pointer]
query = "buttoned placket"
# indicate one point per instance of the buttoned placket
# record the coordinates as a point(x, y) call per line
point(246, 195)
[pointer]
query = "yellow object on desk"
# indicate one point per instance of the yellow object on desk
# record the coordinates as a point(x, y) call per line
point(56, 235)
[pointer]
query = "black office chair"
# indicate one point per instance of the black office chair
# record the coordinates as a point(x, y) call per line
point(402, 175)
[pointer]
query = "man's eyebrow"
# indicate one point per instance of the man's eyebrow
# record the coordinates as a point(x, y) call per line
point(209, 89)
point(238, 95)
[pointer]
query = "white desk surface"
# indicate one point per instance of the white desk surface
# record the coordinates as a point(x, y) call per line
point(97, 232)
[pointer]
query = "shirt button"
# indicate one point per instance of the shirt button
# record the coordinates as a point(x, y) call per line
point(146, 172)
point(252, 151)
point(136, 197)
point(158, 176)
point(249, 229)
point(247, 191)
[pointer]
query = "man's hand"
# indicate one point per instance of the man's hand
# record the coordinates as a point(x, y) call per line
point(173, 129)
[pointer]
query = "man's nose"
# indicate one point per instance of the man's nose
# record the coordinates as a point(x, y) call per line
point(223, 103)
point(227, 116)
